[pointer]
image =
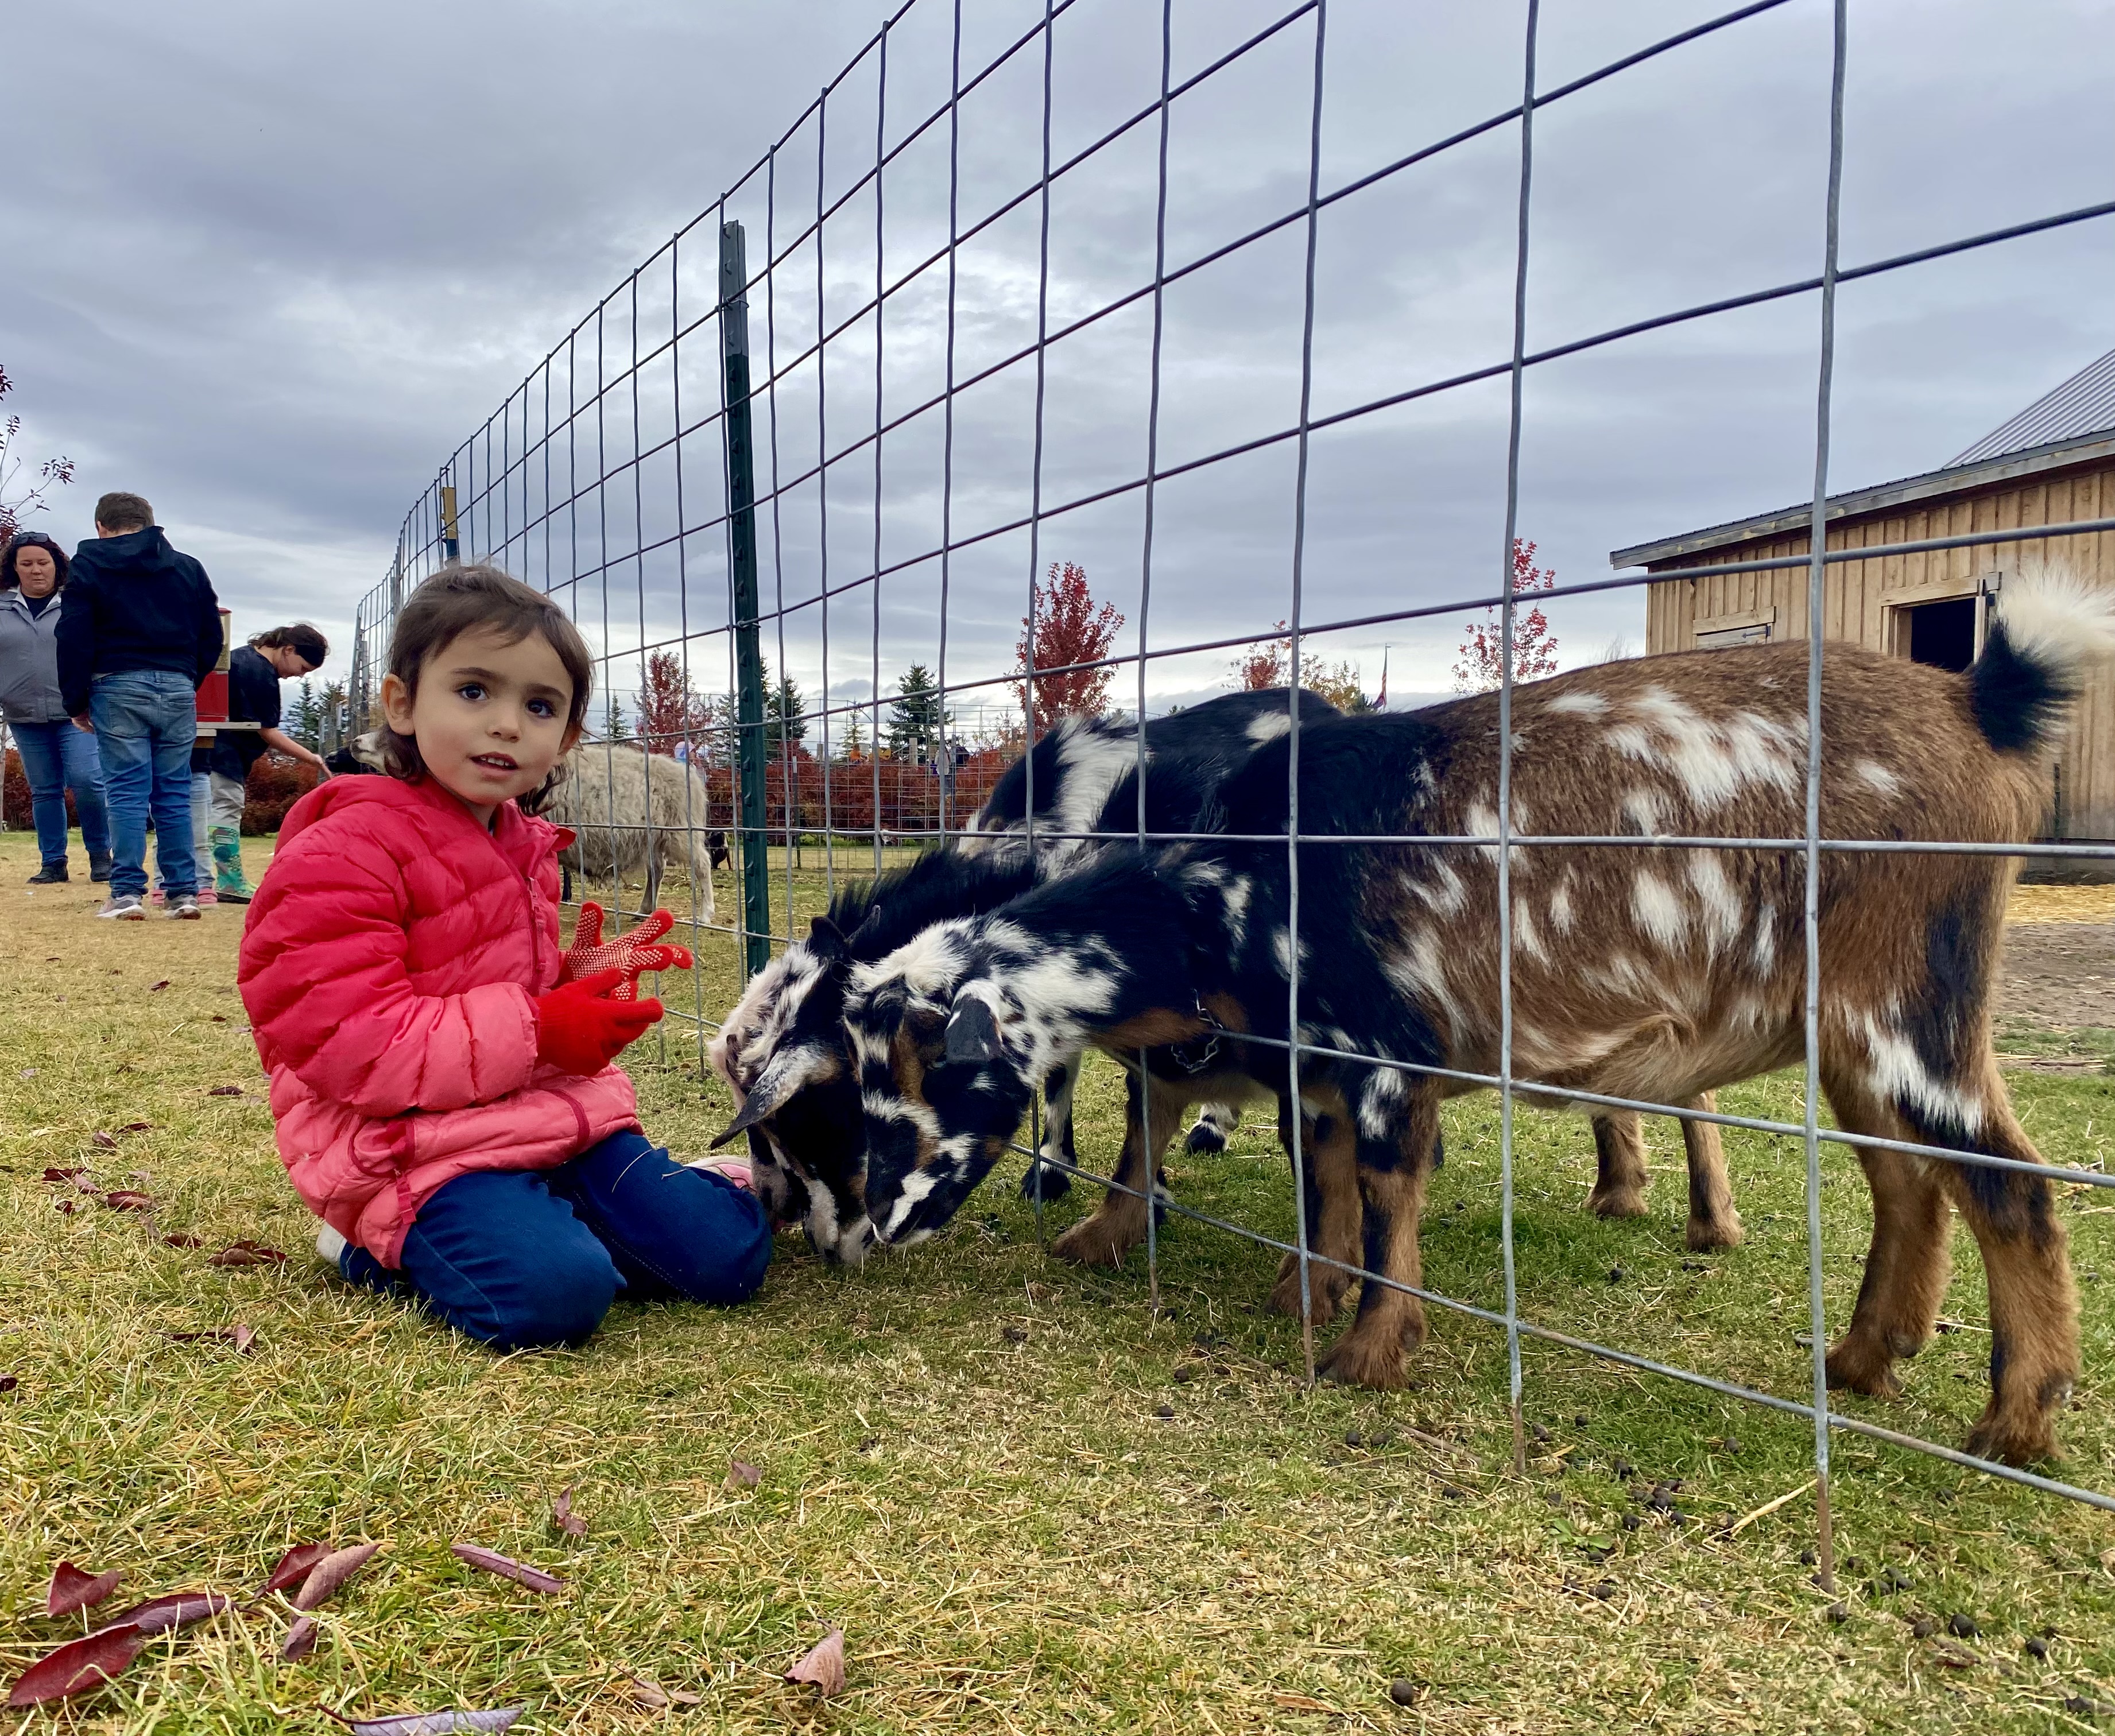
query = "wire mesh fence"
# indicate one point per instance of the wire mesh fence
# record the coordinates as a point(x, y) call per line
point(970, 314)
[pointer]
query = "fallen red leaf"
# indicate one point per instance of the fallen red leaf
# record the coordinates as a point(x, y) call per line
point(56, 1174)
point(72, 1589)
point(294, 1566)
point(740, 1476)
point(9, 1382)
point(225, 1090)
point(332, 1572)
point(137, 1127)
point(492, 1562)
point(824, 1665)
point(103, 1141)
point(300, 1640)
point(78, 1665)
point(178, 1609)
point(128, 1200)
point(246, 1252)
point(155, 988)
point(64, 1205)
point(183, 1241)
point(563, 1517)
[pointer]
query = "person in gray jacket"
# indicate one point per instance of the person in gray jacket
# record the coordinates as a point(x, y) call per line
point(56, 756)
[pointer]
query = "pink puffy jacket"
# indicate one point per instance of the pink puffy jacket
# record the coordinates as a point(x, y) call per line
point(390, 965)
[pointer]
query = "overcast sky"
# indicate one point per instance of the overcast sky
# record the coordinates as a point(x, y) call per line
point(271, 265)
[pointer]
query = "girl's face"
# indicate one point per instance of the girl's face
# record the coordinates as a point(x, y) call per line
point(489, 717)
point(36, 570)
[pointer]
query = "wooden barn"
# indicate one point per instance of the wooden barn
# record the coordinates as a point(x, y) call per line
point(2053, 463)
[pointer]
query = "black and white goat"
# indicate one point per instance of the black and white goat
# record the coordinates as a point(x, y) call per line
point(1651, 973)
point(781, 1049)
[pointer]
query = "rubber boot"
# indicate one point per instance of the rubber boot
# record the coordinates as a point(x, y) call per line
point(99, 866)
point(228, 884)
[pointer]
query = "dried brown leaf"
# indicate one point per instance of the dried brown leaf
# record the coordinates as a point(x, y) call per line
point(241, 1337)
point(740, 1476)
point(563, 1517)
point(128, 1200)
point(332, 1572)
point(9, 1382)
point(646, 1694)
point(183, 1241)
point(247, 1253)
point(293, 1567)
point(65, 1206)
point(137, 1127)
point(178, 1609)
point(300, 1639)
point(72, 1589)
point(225, 1090)
point(492, 1562)
point(433, 1723)
point(825, 1665)
point(78, 1665)
point(103, 1141)
point(56, 1174)
point(155, 988)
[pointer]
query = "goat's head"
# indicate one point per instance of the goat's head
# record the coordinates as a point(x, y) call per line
point(781, 1052)
point(945, 1070)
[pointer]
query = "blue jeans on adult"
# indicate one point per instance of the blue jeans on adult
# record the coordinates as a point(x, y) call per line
point(146, 724)
point(523, 1260)
point(56, 757)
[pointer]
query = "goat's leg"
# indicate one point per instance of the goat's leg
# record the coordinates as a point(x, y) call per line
point(1620, 1179)
point(653, 871)
point(1328, 1150)
point(1117, 1225)
point(1713, 1223)
point(1906, 1265)
point(1043, 1179)
point(1215, 1126)
point(1392, 1179)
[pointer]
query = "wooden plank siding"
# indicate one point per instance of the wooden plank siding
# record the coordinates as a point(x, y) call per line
point(1858, 593)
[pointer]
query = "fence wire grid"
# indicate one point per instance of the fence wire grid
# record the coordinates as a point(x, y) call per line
point(838, 413)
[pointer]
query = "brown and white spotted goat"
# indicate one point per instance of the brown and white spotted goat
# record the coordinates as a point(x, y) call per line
point(1640, 972)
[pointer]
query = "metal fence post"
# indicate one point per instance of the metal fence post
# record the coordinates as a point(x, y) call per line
point(750, 771)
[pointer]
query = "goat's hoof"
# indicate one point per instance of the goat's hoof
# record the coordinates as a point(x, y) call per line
point(1042, 1181)
point(2014, 1435)
point(1325, 1291)
point(1099, 1240)
point(1205, 1140)
point(1855, 1365)
point(1712, 1235)
point(1370, 1362)
point(1617, 1202)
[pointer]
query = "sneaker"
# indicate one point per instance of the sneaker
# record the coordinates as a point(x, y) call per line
point(222, 895)
point(99, 866)
point(184, 908)
point(124, 908)
point(206, 895)
point(155, 898)
point(330, 1244)
point(51, 874)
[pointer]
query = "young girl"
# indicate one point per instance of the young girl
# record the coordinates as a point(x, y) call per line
point(441, 1073)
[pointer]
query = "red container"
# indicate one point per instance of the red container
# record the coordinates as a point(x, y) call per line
point(212, 698)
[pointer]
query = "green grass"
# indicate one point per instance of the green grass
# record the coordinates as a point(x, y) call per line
point(965, 1464)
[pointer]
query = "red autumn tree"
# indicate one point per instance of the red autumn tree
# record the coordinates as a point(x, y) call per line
point(671, 711)
point(1263, 664)
point(1479, 666)
point(1069, 628)
point(1269, 663)
point(18, 503)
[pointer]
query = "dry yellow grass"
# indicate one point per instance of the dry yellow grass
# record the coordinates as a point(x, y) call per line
point(2062, 904)
point(1030, 1507)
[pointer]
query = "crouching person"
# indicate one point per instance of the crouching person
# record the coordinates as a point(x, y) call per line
point(443, 1075)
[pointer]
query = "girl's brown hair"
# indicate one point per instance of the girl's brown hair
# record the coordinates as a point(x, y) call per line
point(461, 599)
point(298, 636)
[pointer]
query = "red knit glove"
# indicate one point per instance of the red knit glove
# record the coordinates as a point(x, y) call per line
point(581, 1027)
point(632, 953)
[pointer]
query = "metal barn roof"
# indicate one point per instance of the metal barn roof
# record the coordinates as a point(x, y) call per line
point(2085, 404)
point(2072, 424)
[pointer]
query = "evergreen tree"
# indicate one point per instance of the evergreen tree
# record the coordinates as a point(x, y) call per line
point(304, 719)
point(784, 727)
point(914, 719)
point(614, 727)
point(851, 745)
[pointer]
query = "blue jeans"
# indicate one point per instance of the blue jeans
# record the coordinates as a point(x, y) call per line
point(522, 1260)
point(146, 724)
point(57, 757)
point(201, 801)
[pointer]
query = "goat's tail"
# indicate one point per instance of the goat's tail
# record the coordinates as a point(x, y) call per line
point(2051, 625)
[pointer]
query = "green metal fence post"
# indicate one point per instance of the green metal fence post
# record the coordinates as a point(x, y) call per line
point(741, 561)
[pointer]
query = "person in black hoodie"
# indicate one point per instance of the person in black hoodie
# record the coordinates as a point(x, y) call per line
point(139, 630)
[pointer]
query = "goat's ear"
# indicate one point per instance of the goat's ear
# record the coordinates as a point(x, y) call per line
point(826, 939)
point(972, 1031)
point(773, 1088)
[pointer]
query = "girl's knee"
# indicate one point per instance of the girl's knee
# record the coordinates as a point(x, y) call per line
point(559, 1300)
